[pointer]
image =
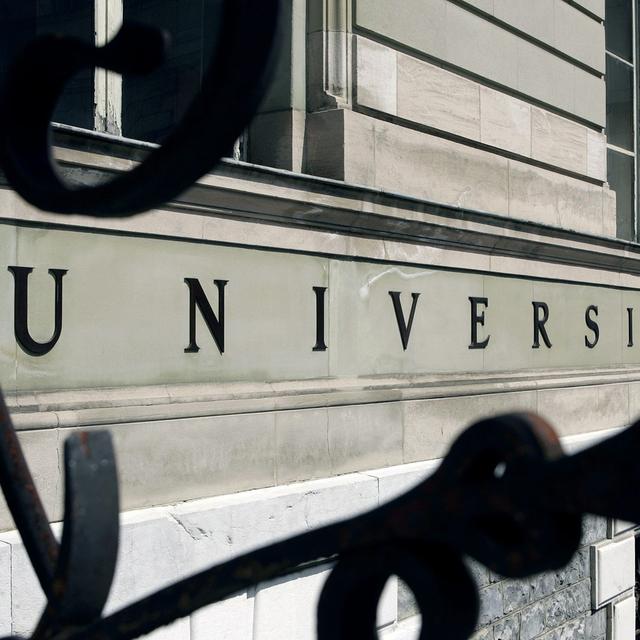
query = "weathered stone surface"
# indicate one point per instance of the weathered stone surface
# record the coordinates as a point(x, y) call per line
point(507, 629)
point(491, 604)
point(517, 593)
point(532, 621)
point(595, 625)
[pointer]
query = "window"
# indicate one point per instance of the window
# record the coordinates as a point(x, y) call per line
point(621, 127)
point(142, 107)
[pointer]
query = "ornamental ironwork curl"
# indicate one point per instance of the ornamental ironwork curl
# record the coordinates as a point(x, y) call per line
point(505, 494)
point(231, 90)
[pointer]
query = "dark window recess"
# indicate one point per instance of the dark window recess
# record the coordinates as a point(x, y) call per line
point(23, 20)
point(621, 180)
point(153, 104)
point(619, 104)
point(618, 28)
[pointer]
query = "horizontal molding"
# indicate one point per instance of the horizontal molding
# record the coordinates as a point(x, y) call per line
point(466, 239)
point(95, 407)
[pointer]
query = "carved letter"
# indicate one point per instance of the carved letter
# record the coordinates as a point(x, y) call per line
point(593, 325)
point(215, 324)
point(477, 319)
point(405, 328)
point(538, 324)
point(630, 316)
point(320, 343)
point(21, 313)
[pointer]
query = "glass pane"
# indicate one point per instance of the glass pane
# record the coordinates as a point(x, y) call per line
point(621, 172)
point(153, 104)
point(23, 20)
point(619, 104)
point(618, 23)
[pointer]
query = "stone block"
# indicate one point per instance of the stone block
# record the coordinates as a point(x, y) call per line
point(231, 619)
point(416, 24)
point(532, 620)
point(276, 139)
point(576, 570)
point(457, 174)
point(609, 222)
point(434, 97)
point(491, 604)
point(407, 605)
point(376, 76)
point(507, 629)
point(558, 141)
point(594, 529)
point(467, 34)
point(194, 458)
point(42, 450)
point(505, 121)
point(595, 625)
point(621, 526)
point(596, 155)
point(432, 425)
point(286, 608)
point(365, 436)
point(567, 604)
point(574, 630)
point(542, 585)
point(578, 35)
point(302, 445)
point(533, 18)
point(546, 197)
point(613, 567)
point(516, 593)
point(623, 619)
point(5, 589)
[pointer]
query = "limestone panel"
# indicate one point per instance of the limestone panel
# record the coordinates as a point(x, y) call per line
point(230, 619)
point(533, 18)
point(437, 98)
point(376, 76)
point(286, 607)
point(596, 155)
point(594, 6)
point(432, 425)
point(450, 32)
point(558, 141)
point(366, 333)
point(302, 445)
point(543, 196)
point(468, 34)
point(505, 121)
point(8, 348)
point(451, 173)
point(5, 588)
point(41, 450)
point(193, 458)
point(578, 35)
point(126, 312)
point(624, 619)
point(417, 24)
point(365, 436)
point(613, 567)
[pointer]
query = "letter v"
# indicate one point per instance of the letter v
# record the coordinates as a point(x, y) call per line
point(404, 327)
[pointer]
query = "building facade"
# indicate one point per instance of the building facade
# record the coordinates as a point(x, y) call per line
point(432, 219)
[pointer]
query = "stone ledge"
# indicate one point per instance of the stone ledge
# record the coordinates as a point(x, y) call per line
point(112, 406)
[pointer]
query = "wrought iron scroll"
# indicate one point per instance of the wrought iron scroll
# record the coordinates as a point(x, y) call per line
point(231, 90)
point(505, 494)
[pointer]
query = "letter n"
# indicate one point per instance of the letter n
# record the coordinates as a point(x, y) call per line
point(215, 324)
